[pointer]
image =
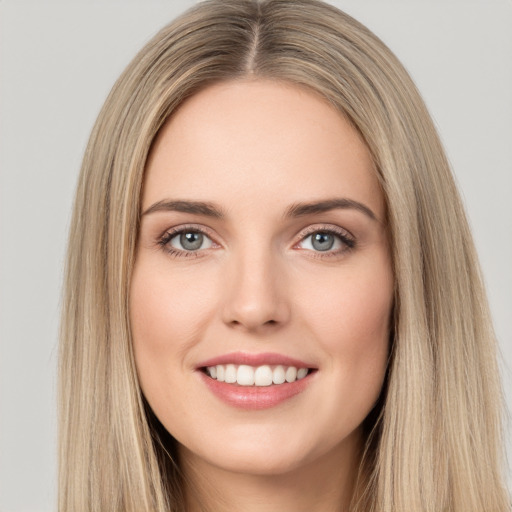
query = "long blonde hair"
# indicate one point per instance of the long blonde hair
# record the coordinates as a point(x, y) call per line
point(434, 442)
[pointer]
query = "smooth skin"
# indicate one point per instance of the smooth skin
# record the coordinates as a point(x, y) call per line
point(257, 281)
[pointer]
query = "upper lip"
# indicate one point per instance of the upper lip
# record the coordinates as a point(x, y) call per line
point(266, 358)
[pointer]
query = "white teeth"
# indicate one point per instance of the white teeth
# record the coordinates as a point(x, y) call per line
point(230, 374)
point(301, 373)
point(278, 376)
point(245, 375)
point(265, 375)
point(291, 374)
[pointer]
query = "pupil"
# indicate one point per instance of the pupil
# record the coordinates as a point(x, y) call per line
point(323, 241)
point(191, 241)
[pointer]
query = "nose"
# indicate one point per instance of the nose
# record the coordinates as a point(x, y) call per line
point(256, 298)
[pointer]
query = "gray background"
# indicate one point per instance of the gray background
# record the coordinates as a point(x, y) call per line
point(58, 61)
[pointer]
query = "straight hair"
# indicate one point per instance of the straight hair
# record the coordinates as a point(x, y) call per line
point(434, 441)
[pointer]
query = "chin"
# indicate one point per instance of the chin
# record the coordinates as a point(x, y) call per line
point(264, 454)
point(257, 464)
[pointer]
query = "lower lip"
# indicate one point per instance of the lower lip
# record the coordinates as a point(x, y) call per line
point(255, 397)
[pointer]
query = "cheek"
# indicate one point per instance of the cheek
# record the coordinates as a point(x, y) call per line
point(150, 320)
point(163, 316)
point(166, 309)
point(356, 304)
point(351, 318)
point(169, 311)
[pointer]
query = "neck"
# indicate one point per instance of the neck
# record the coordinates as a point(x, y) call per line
point(326, 484)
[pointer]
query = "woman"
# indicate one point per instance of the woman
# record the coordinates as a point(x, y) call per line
point(273, 300)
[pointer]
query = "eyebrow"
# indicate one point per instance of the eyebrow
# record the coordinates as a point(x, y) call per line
point(301, 209)
point(295, 210)
point(195, 207)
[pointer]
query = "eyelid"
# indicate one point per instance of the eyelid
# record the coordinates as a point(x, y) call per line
point(345, 236)
point(188, 227)
point(315, 228)
point(164, 239)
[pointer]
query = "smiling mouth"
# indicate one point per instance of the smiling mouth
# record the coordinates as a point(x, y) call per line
point(256, 376)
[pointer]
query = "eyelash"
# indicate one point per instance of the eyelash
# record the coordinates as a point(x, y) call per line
point(346, 239)
point(176, 253)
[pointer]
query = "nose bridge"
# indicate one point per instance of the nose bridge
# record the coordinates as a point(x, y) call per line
point(256, 290)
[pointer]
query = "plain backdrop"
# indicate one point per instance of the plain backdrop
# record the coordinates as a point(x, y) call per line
point(58, 61)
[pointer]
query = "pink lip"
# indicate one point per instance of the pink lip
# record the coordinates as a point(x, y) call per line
point(255, 397)
point(269, 358)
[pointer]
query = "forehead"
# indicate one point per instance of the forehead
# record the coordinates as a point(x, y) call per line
point(259, 141)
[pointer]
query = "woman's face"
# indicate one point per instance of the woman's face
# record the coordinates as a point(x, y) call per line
point(262, 256)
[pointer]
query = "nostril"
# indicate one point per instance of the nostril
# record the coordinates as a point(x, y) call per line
point(252, 325)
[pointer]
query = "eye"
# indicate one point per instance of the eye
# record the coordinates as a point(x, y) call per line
point(184, 242)
point(327, 241)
